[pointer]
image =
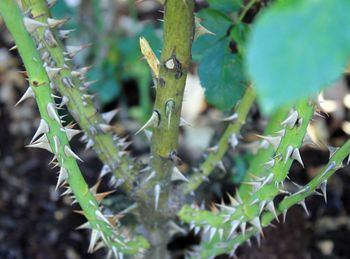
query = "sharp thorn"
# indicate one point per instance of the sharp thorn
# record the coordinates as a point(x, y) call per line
point(291, 119)
point(178, 176)
point(297, 157)
point(156, 195)
point(289, 152)
point(108, 116)
point(28, 94)
point(152, 122)
point(62, 177)
point(43, 128)
point(69, 152)
point(31, 24)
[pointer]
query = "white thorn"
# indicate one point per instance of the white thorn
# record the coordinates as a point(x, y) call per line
point(28, 94)
point(284, 215)
point(13, 48)
point(291, 119)
point(156, 195)
point(303, 204)
point(105, 127)
point(233, 141)
point(63, 34)
point(234, 226)
point(289, 152)
point(274, 141)
point(51, 111)
point(230, 118)
point(178, 176)
point(43, 128)
point(73, 50)
point(42, 143)
point(86, 225)
point(151, 175)
point(296, 156)
point(221, 166)
point(53, 23)
point(31, 24)
point(152, 122)
point(52, 72)
point(89, 144)
point(64, 101)
point(50, 39)
point(69, 152)
point(242, 227)
point(62, 176)
point(70, 132)
point(270, 163)
point(212, 233)
point(100, 216)
point(323, 188)
point(256, 223)
point(271, 207)
point(95, 236)
point(108, 116)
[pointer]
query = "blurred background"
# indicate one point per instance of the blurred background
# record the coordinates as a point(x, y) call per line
point(35, 222)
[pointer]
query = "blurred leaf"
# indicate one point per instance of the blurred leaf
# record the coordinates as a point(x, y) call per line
point(297, 48)
point(221, 75)
point(62, 10)
point(239, 34)
point(107, 87)
point(239, 170)
point(226, 5)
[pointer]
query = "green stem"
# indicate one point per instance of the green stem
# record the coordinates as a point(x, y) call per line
point(245, 10)
point(56, 136)
point(174, 65)
point(210, 249)
point(263, 155)
point(110, 151)
point(266, 189)
point(231, 131)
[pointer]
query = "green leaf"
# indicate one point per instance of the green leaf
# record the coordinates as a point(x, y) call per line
point(297, 48)
point(222, 75)
point(215, 21)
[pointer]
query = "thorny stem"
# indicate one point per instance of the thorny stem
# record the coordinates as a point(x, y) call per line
point(217, 247)
point(267, 189)
point(57, 138)
point(174, 65)
point(263, 154)
point(232, 131)
point(108, 147)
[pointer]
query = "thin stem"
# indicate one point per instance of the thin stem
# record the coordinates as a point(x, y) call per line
point(245, 10)
point(232, 131)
